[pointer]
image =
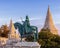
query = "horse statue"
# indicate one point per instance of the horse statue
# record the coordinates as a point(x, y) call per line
point(26, 29)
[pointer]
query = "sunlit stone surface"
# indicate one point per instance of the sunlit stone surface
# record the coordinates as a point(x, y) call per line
point(49, 23)
point(13, 33)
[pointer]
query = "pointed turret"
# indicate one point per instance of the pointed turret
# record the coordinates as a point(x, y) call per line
point(49, 23)
point(12, 28)
point(12, 33)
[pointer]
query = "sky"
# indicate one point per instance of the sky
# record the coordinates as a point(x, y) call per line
point(35, 9)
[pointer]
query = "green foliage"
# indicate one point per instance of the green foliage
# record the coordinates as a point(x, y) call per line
point(48, 40)
point(29, 39)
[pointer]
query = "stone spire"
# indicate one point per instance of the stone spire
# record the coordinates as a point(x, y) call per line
point(12, 33)
point(12, 28)
point(49, 23)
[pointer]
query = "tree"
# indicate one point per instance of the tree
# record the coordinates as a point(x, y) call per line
point(48, 40)
point(4, 30)
point(29, 39)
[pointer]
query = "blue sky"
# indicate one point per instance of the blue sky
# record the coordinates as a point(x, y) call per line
point(35, 9)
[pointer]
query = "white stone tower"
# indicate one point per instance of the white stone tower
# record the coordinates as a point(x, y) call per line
point(49, 23)
point(12, 33)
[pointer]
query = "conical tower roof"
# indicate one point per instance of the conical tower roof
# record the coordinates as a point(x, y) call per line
point(12, 33)
point(11, 27)
point(49, 23)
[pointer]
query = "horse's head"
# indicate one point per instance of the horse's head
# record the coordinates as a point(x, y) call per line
point(19, 26)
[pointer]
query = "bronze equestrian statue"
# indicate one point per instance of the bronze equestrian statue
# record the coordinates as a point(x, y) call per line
point(26, 29)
